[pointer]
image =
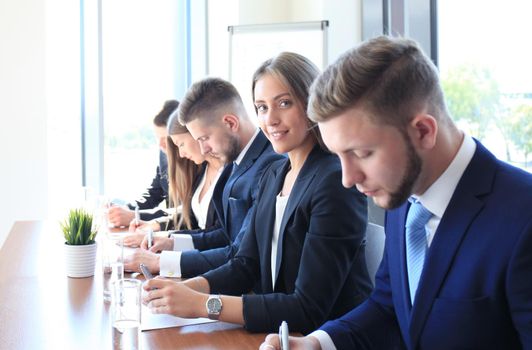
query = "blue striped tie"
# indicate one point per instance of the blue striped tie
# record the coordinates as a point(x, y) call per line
point(416, 243)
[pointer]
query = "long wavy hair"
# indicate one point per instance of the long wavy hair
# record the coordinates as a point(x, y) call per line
point(182, 173)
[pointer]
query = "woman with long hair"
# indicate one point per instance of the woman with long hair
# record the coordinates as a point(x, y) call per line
point(192, 179)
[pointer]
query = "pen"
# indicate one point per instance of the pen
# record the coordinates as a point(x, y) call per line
point(283, 336)
point(147, 274)
point(150, 238)
point(137, 215)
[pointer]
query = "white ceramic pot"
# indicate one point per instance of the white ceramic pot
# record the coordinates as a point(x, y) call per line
point(80, 260)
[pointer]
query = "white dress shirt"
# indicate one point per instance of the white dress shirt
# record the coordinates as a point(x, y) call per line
point(280, 206)
point(200, 208)
point(436, 199)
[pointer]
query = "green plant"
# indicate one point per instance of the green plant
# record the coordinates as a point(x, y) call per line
point(77, 228)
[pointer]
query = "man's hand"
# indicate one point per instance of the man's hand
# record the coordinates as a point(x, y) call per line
point(165, 296)
point(296, 343)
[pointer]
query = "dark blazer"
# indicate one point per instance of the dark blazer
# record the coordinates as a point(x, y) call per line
point(475, 291)
point(156, 193)
point(321, 268)
point(234, 197)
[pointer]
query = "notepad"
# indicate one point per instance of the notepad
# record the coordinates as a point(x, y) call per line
point(152, 321)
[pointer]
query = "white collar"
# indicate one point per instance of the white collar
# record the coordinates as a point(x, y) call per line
point(437, 197)
point(248, 145)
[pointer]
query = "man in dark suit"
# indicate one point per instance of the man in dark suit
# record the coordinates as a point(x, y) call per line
point(215, 115)
point(465, 281)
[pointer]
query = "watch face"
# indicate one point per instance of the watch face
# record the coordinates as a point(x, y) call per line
point(214, 304)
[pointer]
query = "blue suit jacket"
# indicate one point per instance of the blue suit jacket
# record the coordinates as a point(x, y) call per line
point(476, 288)
point(321, 268)
point(233, 196)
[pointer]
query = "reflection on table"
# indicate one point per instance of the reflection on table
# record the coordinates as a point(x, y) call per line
point(41, 308)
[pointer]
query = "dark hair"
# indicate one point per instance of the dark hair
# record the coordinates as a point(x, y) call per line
point(208, 98)
point(182, 173)
point(297, 72)
point(161, 119)
point(390, 77)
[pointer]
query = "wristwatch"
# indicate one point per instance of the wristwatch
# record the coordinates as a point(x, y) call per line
point(214, 306)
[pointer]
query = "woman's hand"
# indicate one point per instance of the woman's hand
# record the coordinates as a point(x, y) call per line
point(137, 232)
point(119, 216)
point(134, 239)
point(150, 259)
point(169, 297)
point(144, 226)
point(158, 244)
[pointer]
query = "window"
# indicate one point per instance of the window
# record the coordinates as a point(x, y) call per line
point(139, 57)
point(484, 60)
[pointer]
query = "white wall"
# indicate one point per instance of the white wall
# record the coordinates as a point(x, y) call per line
point(344, 16)
point(23, 155)
point(39, 109)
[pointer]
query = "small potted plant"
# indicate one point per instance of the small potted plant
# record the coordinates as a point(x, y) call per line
point(80, 244)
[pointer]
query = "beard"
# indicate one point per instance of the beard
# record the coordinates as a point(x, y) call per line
point(413, 169)
point(233, 149)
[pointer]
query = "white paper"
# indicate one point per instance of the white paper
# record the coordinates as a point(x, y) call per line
point(152, 321)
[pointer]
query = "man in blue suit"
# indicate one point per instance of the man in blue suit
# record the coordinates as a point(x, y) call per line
point(215, 115)
point(466, 283)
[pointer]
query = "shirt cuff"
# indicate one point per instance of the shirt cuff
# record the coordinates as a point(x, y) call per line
point(182, 242)
point(325, 340)
point(170, 264)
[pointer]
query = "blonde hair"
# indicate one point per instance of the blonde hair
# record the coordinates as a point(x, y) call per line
point(182, 173)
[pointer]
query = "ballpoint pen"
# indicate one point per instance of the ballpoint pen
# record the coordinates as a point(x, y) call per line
point(137, 215)
point(150, 238)
point(283, 336)
point(147, 274)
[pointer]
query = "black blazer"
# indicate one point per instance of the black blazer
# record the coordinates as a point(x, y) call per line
point(321, 268)
point(156, 193)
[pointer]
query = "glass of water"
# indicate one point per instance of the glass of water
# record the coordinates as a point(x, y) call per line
point(112, 263)
point(125, 313)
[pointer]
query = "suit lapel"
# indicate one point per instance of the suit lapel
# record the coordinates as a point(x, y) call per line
point(301, 184)
point(219, 193)
point(255, 150)
point(462, 209)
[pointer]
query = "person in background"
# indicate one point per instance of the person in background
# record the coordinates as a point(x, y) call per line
point(213, 112)
point(457, 264)
point(157, 192)
point(192, 193)
point(192, 179)
point(305, 242)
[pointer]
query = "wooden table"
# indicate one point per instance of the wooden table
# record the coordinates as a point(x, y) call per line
point(41, 308)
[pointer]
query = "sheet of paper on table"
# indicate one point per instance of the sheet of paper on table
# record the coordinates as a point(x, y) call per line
point(158, 321)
